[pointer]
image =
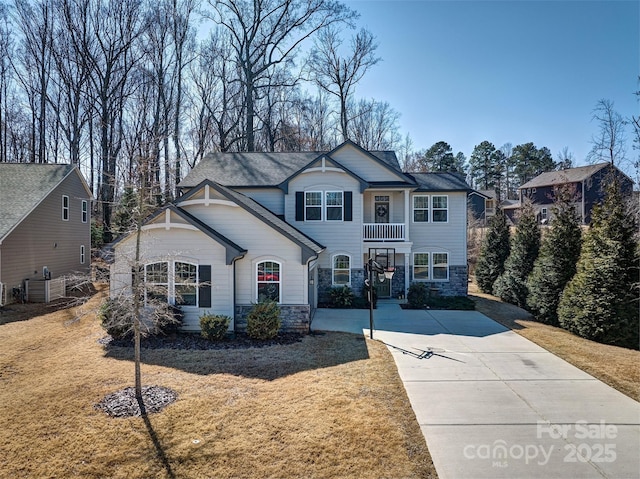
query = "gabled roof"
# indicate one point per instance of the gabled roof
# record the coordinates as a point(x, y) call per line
point(560, 177)
point(323, 159)
point(310, 248)
point(233, 251)
point(23, 186)
point(267, 169)
point(440, 181)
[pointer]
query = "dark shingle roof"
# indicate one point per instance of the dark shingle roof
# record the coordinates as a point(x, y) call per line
point(440, 181)
point(260, 169)
point(23, 186)
point(560, 177)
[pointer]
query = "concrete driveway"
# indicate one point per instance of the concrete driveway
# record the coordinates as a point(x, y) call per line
point(492, 404)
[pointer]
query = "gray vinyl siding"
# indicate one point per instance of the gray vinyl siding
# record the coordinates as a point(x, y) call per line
point(44, 239)
point(177, 244)
point(262, 243)
point(396, 199)
point(343, 236)
point(363, 166)
point(450, 237)
point(272, 199)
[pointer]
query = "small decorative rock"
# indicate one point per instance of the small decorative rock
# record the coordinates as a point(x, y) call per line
point(123, 403)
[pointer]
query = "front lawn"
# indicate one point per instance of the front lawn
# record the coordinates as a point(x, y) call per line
point(330, 406)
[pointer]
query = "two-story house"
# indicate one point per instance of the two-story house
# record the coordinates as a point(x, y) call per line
point(45, 229)
point(290, 226)
point(586, 182)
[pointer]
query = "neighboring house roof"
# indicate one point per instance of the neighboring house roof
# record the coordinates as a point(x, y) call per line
point(439, 181)
point(310, 248)
point(23, 186)
point(266, 169)
point(560, 177)
point(488, 193)
point(480, 193)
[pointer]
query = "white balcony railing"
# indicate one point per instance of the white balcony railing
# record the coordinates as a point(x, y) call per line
point(383, 232)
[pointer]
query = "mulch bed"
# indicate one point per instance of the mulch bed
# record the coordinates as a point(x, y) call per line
point(123, 403)
point(193, 341)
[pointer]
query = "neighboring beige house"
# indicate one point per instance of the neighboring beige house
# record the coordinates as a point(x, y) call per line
point(45, 229)
point(290, 226)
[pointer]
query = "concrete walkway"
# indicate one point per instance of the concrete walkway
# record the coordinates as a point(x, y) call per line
point(492, 404)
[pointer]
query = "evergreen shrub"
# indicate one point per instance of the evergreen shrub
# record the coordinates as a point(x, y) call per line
point(214, 326)
point(263, 321)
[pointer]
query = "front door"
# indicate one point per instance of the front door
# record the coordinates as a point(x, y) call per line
point(386, 258)
point(381, 209)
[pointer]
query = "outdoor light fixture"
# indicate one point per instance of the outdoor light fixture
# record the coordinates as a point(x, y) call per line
point(371, 267)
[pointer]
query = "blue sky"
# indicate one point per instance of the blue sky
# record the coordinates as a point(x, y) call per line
point(507, 71)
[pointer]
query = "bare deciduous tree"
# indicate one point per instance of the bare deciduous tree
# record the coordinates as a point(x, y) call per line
point(609, 142)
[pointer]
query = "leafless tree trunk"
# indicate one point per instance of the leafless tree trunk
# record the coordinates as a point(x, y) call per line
point(609, 143)
point(337, 74)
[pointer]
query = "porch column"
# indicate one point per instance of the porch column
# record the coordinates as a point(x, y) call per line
point(407, 215)
point(406, 273)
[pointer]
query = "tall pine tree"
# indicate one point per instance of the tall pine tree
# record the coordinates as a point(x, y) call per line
point(556, 264)
point(601, 301)
point(494, 252)
point(511, 286)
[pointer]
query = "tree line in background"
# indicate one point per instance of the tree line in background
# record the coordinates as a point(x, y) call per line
point(136, 92)
point(586, 283)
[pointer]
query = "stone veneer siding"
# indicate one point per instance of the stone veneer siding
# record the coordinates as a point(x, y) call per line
point(295, 318)
point(457, 284)
point(357, 283)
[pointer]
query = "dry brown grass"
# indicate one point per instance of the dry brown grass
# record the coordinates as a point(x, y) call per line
point(615, 366)
point(330, 406)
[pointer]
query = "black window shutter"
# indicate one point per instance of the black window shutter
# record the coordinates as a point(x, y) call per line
point(204, 289)
point(348, 206)
point(299, 205)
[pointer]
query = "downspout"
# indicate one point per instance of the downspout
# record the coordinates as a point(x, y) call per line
point(584, 212)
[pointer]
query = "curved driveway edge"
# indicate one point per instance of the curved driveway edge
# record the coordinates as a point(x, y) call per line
point(492, 404)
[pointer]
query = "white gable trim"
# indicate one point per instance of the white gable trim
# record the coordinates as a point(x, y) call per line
point(167, 224)
point(208, 200)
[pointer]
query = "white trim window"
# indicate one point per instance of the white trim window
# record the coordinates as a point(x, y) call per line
point(431, 266)
point(185, 284)
point(82, 254)
point(268, 281)
point(65, 208)
point(334, 205)
point(85, 211)
point(420, 208)
point(440, 208)
point(440, 268)
point(313, 205)
point(544, 214)
point(341, 270)
point(421, 267)
point(156, 281)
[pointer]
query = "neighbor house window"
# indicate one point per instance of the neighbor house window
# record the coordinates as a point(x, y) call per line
point(65, 207)
point(334, 205)
point(185, 284)
point(440, 209)
point(268, 281)
point(420, 208)
point(341, 269)
point(440, 266)
point(543, 214)
point(156, 281)
point(85, 211)
point(420, 266)
point(313, 206)
point(81, 254)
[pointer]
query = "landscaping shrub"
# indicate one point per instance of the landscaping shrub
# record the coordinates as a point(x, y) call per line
point(494, 253)
point(263, 321)
point(341, 297)
point(417, 295)
point(214, 326)
point(117, 316)
point(115, 329)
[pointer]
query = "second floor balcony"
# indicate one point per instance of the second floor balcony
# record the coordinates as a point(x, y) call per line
point(383, 232)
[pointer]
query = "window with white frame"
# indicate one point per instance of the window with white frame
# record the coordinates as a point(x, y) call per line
point(65, 207)
point(543, 214)
point(81, 254)
point(341, 269)
point(156, 281)
point(268, 281)
point(440, 211)
point(185, 284)
point(313, 206)
point(420, 208)
point(85, 211)
point(334, 205)
point(431, 266)
point(440, 266)
point(421, 266)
